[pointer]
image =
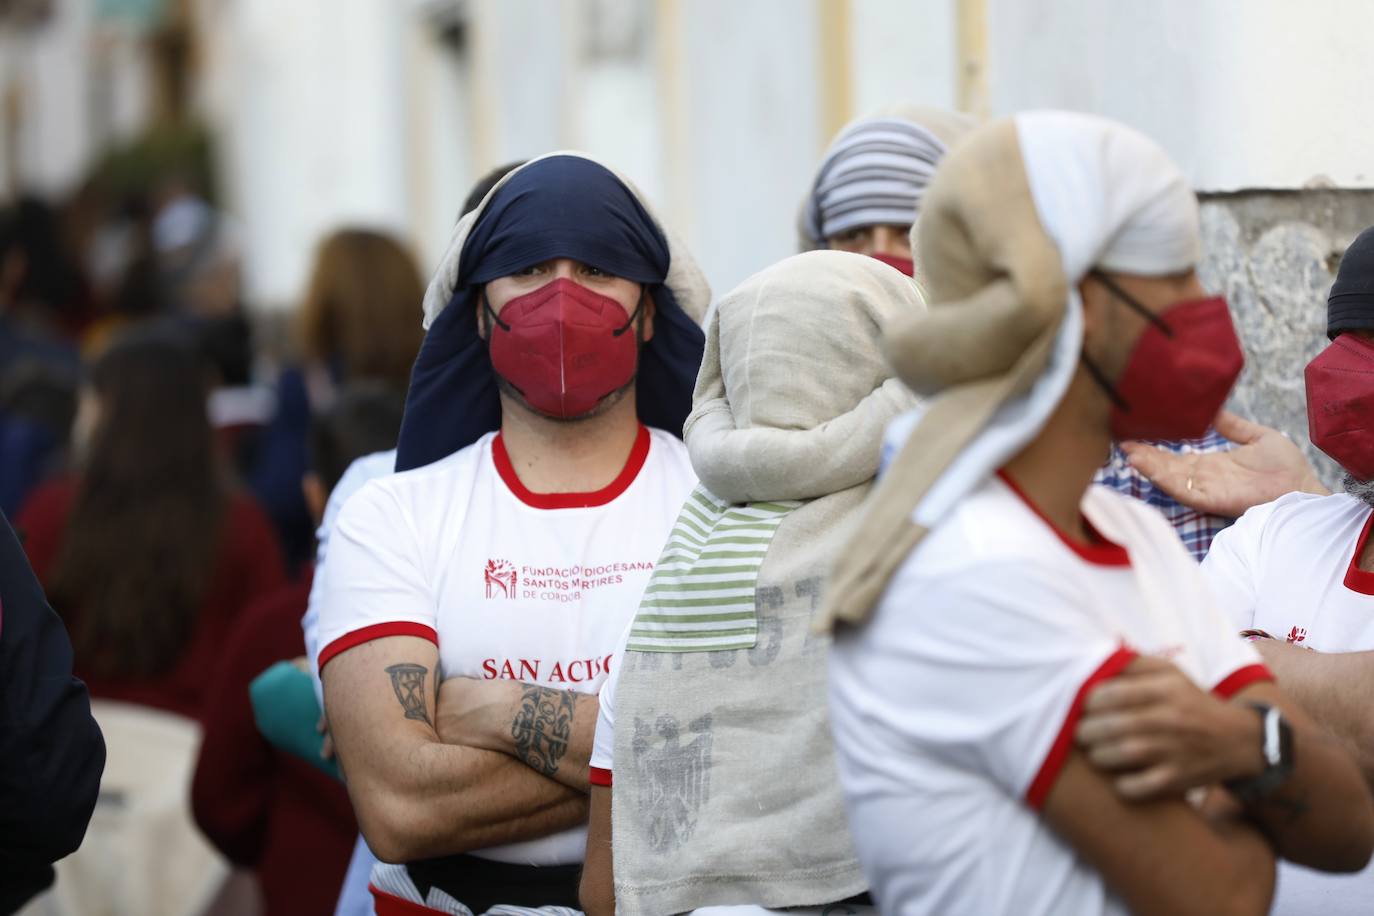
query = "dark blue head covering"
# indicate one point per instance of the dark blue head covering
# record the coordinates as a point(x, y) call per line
point(558, 207)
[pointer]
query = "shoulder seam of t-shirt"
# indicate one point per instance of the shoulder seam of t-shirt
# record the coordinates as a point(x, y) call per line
point(411, 476)
point(382, 487)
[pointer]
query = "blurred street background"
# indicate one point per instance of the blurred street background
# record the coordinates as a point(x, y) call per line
point(289, 119)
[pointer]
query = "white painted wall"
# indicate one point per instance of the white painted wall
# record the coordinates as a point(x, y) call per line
point(52, 73)
point(903, 51)
point(1253, 94)
point(747, 131)
point(333, 111)
point(316, 132)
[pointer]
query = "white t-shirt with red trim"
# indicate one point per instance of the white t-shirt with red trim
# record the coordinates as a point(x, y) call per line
point(602, 763)
point(953, 709)
point(1288, 568)
point(508, 583)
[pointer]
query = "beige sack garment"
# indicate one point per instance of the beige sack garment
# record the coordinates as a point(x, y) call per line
point(725, 786)
point(1016, 216)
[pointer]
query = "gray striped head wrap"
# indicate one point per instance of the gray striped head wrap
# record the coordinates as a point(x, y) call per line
point(874, 173)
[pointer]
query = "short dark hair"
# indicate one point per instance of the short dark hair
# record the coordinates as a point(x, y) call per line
point(488, 181)
point(365, 418)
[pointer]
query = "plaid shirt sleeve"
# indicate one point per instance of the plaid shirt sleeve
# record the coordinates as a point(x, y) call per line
point(1196, 529)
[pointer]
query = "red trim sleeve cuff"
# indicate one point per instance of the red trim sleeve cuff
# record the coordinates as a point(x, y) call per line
point(1063, 742)
point(376, 631)
point(1241, 678)
point(598, 777)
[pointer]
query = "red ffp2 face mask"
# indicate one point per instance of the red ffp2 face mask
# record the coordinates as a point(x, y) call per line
point(1340, 403)
point(1179, 373)
point(564, 347)
point(905, 265)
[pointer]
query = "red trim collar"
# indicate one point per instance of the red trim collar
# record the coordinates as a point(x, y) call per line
point(1100, 552)
point(1356, 579)
point(638, 455)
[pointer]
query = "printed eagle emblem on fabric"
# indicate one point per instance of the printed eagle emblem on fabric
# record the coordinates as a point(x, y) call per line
point(676, 777)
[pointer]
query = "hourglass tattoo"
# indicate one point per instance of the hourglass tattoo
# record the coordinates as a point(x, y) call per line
point(408, 680)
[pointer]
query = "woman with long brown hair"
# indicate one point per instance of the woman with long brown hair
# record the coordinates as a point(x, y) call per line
point(359, 321)
point(148, 552)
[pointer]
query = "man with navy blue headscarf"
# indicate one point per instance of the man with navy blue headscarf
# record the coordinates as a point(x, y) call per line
point(540, 471)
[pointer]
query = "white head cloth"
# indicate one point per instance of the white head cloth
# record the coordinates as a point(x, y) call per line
point(1109, 197)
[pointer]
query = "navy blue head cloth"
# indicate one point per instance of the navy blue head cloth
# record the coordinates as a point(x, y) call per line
point(559, 207)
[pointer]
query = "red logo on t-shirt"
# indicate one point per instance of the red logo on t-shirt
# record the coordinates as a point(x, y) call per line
point(1297, 635)
point(500, 574)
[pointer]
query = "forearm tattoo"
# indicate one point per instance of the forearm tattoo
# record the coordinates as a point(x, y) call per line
point(543, 727)
point(408, 680)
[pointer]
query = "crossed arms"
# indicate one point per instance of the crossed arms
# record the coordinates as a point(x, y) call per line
point(436, 771)
point(1150, 735)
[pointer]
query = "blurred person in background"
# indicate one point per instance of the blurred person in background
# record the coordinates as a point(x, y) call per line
point(354, 897)
point(40, 366)
point(147, 551)
point(43, 294)
point(37, 409)
point(867, 191)
point(262, 807)
point(1203, 485)
point(356, 322)
point(1296, 576)
point(51, 750)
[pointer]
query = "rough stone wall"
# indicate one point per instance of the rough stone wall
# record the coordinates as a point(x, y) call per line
point(1274, 255)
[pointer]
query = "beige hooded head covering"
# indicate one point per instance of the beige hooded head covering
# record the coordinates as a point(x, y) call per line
point(877, 169)
point(1016, 216)
point(721, 670)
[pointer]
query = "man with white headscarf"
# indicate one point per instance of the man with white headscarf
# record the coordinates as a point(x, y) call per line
point(865, 197)
point(867, 191)
point(1024, 619)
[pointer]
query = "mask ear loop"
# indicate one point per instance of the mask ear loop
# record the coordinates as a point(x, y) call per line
point(1132, 303)
point(486, 304)
point(639, 307)
point(1107, 387)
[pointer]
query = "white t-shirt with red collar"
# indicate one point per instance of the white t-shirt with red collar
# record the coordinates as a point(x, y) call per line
point(1289, 568)
point(508, 583)
point(954, 707)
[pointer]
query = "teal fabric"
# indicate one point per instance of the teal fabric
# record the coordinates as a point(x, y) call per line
point(287, 713)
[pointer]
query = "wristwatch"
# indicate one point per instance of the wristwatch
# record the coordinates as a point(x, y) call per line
point(1276, 744)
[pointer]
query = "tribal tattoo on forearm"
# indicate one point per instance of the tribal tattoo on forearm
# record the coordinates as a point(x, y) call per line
point(408, 680)
point(543, 727)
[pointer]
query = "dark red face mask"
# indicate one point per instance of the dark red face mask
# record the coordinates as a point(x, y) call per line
point(1179, 373)
point(905, 265)
point(1340, 403)
point(564, 347)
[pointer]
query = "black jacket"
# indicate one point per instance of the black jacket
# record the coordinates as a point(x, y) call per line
point(51, 750)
